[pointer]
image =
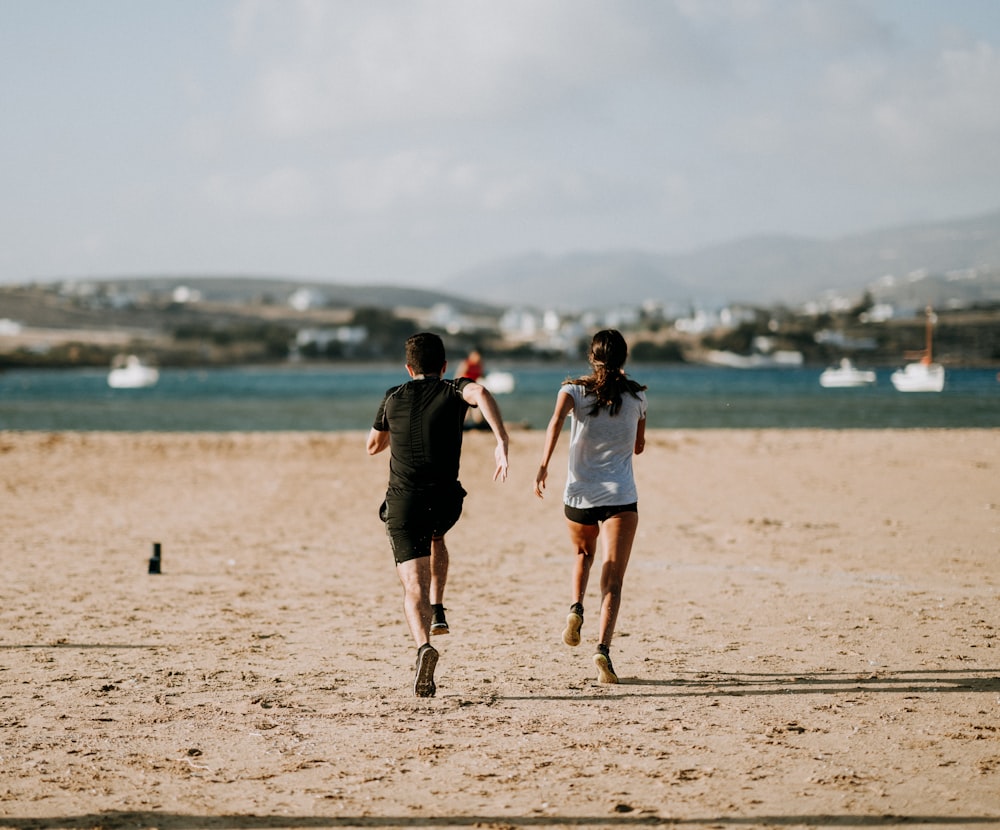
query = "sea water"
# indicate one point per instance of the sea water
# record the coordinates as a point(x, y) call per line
point(336, 397)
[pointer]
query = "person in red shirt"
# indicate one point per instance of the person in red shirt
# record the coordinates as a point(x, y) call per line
point(471, 367)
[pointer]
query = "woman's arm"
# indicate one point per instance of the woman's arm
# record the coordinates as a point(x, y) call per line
point(564, 405)
point(640, 436)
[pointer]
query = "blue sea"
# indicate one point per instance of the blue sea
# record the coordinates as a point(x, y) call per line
point(346, 398)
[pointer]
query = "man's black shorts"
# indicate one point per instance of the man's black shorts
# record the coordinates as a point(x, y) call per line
point(412, 518)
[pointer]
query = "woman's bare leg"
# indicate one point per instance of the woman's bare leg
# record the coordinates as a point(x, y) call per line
point(584, 541)
point(583, 538)
point(619, 533)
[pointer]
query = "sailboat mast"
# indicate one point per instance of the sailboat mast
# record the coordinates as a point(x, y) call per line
point(928, 355)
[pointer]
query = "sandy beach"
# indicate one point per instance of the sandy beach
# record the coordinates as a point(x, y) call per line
point(808, 637)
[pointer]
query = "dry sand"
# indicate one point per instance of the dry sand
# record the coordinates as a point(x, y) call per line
point(809, 636)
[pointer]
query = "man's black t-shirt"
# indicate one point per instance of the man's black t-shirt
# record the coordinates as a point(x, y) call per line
point(424, 419)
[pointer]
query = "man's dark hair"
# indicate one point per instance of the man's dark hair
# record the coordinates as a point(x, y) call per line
point(425, 354)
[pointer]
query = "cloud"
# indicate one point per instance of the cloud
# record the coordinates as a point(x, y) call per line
point(706, 12)
point(921, 114)
point(298, 131)
point(759, 134)
point(415, 183)
point(285, 192)
point(763, 26)
point(326, 67)
point(399, 180)
point(603, 121)
point(282, 193)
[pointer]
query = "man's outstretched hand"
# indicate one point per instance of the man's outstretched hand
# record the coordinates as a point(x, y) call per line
point(500, 454)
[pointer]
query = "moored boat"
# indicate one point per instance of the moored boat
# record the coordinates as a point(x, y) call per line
point(128, 372)
point(924, 375)
point(499, 383)
point(780, 359)
point(846, 375)
point(919, 377)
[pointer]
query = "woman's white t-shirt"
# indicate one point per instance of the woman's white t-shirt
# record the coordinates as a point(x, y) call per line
point(600, 450)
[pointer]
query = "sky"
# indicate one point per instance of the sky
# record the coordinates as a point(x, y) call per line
point(405, 141)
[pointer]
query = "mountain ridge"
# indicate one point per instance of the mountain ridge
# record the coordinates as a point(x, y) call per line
point(765, 269)
point(761, 270)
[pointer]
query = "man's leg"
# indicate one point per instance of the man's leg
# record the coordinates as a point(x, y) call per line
point(439, 576)
point(415, 575)
point(439, 569)
point(446, 512)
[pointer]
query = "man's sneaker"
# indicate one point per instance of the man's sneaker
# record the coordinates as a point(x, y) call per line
point(439, 625)
point(574, 622)
point(423, 683)
point(605, 671)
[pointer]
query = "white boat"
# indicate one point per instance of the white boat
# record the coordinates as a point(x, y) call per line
point(782, 358)
point(128, 372)
point(846, 376)
point(924, 375)
point(499, 383)
point(919, 377)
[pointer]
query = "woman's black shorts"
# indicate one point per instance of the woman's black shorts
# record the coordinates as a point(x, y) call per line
point(596, 515)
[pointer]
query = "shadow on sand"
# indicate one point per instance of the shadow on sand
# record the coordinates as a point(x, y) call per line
point(175, 821)
point(746, 684)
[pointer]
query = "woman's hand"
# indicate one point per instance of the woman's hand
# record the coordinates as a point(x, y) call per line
point(540, 476)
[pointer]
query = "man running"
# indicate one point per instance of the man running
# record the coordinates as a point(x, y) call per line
point(420, 422)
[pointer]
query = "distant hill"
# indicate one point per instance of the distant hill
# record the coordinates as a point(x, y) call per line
point(942, 263)
point(242, 290)
point(764, 270)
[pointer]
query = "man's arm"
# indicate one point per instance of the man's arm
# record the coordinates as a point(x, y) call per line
point(478, 395)
point(378, 440)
